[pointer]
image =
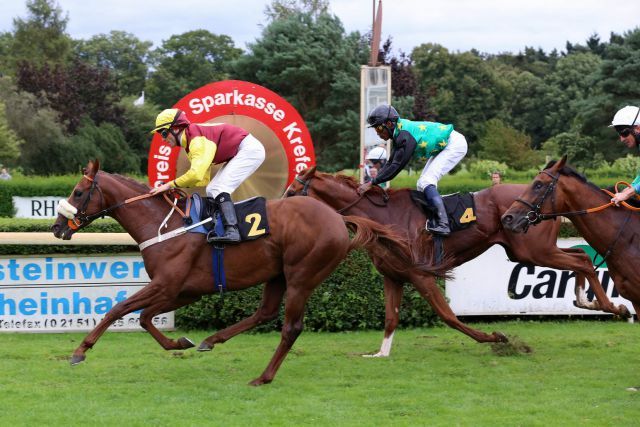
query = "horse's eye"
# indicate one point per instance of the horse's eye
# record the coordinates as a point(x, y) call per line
point(537, 185)
point(77, 193)
point(291, 193)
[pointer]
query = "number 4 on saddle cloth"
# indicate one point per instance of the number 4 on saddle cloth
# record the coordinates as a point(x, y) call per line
point(460, 207)
point(251, 213)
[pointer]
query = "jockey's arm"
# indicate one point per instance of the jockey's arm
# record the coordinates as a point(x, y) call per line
point(402, 150)
point(202, 152)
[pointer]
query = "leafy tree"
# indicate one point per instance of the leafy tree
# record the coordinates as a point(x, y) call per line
point(580, 149)
point(188, 61)
point(311, 62)
point(123, 54)
point(462, 89)
point(138, 120)
point(107, 143)
point(282, 9)
point(45, 148)
point(75, 91)
point(9, 141)
point(504, 144)
point(41, 38)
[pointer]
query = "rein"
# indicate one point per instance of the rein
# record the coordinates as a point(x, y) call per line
point(81, 218)
point(385, 197)
point(535, 216)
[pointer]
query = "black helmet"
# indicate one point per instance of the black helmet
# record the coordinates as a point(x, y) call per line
point(381, 114)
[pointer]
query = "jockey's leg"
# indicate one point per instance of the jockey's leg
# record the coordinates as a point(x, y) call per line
point(250, 156)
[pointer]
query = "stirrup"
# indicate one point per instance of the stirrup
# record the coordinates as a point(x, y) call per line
point(231, 235)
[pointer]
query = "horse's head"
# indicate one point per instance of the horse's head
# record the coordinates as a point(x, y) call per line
point(526, 209)
point(85, 197)
point(300, 185)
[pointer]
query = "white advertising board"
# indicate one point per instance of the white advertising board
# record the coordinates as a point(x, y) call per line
point(493, 285)
point(64, 294)
point(36, 207)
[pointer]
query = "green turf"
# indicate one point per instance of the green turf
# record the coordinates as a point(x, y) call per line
point(577, 374)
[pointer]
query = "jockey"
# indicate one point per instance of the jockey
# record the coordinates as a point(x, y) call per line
point(207, 144)
point(439, 143)
point(627, 124)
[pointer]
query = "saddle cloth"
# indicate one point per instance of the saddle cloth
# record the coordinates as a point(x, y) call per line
point(461, 208)
point(252, 216)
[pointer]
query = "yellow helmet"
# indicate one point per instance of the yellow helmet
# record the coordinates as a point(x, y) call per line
point(170, 117)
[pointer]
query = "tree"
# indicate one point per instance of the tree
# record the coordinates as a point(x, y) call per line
point(10, 143)
point(188, 61)
point(502, 143)
point(282, 9)
point(123, 54)
point(75, 90)
point(580, 149)
point(312, 63)
point(41, 38)
point(462, 89)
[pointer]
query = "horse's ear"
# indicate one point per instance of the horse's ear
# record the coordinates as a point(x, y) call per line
point(92, 168)
point(308, 172)
point(562, 162)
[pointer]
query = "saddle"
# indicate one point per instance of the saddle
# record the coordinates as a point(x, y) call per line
point(460, 207)
point(252, 216)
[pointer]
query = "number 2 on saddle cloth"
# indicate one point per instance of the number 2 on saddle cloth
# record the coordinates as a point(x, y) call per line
point(252, 224)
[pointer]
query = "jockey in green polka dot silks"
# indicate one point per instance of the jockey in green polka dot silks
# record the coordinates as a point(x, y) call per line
point(439, 144)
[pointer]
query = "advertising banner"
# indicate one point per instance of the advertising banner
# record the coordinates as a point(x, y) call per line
point(36, 207)
point(266, 115)
point(493, 285)
point(65, 294)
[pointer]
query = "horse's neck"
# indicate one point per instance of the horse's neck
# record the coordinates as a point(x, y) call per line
point(142, 218)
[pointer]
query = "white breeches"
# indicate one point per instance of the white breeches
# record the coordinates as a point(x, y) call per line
point(438, 165)
point(249, 158)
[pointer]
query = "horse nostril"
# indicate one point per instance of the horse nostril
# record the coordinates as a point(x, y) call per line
point(54, 228)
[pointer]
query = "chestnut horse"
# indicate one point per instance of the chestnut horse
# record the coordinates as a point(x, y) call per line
point(396, 208)
point(613, 231)
point(307, 240)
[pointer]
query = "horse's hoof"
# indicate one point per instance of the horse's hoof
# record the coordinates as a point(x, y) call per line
point(500, 337)
point(77, 358)
point(624, 311)
point(205, 346)
point(185, 343)
point(258, 382)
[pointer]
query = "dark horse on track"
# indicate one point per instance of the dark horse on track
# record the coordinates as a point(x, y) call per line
point(307, 240)
point(538, 247)
point(612, 231)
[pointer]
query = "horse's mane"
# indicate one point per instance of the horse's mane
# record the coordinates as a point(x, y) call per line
point(353, 183)
point(137, 185)
point(570, 171)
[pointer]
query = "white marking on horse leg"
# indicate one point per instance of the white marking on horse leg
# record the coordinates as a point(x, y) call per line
point(385, 348)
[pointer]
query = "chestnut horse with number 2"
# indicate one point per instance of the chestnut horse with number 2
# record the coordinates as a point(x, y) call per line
point(307, 241)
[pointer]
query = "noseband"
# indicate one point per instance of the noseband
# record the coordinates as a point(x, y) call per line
point(81, 218)
point(534, 216)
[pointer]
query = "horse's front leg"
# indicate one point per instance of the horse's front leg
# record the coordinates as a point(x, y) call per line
point(141, 299)
point(146, 321)
point(426, 285)
point(393, 291)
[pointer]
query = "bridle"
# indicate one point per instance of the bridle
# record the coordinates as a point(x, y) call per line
point(81, 218)
point(535, 216)
point(307, 183)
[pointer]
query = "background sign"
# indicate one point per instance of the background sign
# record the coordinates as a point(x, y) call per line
point(493, 285)
point(60, 294)
point(36, 207)
point(266, 115)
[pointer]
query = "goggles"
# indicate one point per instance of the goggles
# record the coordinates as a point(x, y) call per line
point(163, 132)
point(625, 132)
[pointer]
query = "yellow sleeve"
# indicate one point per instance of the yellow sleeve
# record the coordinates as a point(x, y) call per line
point(201, 154)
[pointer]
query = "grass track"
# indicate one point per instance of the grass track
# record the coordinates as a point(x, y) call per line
point(577, 375)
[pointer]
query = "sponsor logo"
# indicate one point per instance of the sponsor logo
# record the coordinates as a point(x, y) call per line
point(238, 98)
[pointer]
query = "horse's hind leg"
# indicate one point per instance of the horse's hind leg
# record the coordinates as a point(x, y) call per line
point(271, 298)
point(393, 298)
point(426, 285)
point(146, 321)
point(293, 324)
point(141, 299)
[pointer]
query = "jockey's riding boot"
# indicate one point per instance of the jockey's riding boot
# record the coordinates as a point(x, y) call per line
point(439, 226)
point(229, 221)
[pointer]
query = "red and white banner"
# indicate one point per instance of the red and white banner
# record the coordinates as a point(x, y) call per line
point(260, 111)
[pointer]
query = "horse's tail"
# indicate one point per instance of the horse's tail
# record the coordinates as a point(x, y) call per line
point(384, 244)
